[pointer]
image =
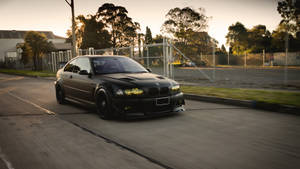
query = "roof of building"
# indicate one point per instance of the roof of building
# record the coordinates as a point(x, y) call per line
point(62, 46)
point(17, 34)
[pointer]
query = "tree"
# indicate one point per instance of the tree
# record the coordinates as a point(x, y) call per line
point(290, 13)
point(237, 38)
point(37, 44)
point(278, 40)
point(148, 36)
point(180, 22)
point(90, 33)
point(121, 27)
point(259, 38)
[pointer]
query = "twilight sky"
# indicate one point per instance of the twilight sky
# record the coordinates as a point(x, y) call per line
point(55, 15)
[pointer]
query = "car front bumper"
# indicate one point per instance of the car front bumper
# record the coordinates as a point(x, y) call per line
point(149, 106)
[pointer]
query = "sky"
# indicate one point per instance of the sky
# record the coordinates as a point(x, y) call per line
point(55, 15)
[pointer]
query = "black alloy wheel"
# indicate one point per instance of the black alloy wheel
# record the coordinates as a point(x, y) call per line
point(60, 96)
point(103, 106)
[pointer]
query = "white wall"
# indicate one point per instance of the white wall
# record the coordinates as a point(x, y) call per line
point(8, 44)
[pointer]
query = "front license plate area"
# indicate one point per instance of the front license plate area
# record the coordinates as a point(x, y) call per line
point(162, 101)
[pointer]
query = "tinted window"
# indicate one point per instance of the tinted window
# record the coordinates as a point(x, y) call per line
point(69, 67)
point(82, 64)
point(104, 65)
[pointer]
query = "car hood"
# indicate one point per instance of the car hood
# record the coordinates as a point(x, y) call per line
point(139, 79)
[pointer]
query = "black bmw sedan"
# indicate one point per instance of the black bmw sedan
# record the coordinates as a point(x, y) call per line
point(117, 85)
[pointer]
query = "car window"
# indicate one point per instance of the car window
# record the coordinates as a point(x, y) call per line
point(82, 64)
point(106, 65)
point(69, 67)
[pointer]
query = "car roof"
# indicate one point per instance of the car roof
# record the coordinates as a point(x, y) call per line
point(96, 56)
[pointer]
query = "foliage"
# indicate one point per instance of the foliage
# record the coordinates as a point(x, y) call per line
point(148, 36)
point(237, 38)
point(36, 45)
point(181, 23)
point(121, 27)
point(90, 33)
point(290, 13)
point(187, 27)
point(259, 39)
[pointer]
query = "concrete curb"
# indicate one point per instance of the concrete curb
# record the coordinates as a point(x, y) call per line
point(246, 103)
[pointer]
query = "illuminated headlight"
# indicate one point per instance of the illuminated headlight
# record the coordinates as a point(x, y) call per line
point(175, 88)
point(134, 91)
point(119, 92)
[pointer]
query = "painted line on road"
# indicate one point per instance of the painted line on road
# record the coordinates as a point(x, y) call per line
point(33, 104)
point(6, 90)
point(108, 140)
point(9, 79)
point(5, 160)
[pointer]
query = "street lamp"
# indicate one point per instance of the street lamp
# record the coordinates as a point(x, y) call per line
point(71, 4)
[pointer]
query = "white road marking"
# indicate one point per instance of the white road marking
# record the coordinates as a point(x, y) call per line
point(4, 159)
point(6, 90)
point(12, 78)
point(33, 104)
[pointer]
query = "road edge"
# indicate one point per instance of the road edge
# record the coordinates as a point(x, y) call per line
point(246, 103)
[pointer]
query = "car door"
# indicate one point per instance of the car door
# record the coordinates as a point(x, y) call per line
point(67, 77)
point(83, 81)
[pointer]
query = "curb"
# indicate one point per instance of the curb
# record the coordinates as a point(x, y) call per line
point(246, 103)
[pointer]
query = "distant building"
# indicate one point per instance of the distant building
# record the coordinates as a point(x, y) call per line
point(10, 38)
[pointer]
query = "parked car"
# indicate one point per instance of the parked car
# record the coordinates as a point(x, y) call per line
point(117, 85)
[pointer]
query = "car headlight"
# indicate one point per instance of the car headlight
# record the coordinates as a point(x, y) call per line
point(134, 91)
point(175, 88)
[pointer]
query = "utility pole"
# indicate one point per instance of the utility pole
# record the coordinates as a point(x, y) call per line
point(71, 4)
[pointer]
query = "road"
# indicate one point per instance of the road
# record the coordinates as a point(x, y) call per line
point(238, 77)
point(37, 133)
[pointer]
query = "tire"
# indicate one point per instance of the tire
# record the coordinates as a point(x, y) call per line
point(103, 106)
point(60, 96)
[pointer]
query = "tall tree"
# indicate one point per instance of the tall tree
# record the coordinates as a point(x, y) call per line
point(290, 13)
point(237, 38)
point(37, 44)
point(122, 28)
point(180, 22)
point(259, 38)
point(148, 36)
point(90, 33)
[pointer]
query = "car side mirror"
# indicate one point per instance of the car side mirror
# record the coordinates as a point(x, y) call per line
point(149, 70)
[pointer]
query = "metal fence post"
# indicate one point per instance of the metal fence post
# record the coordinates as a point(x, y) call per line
point(286, 58)
point(228, 58)
point(214, 62)
point(263, 58)
point(147, 56)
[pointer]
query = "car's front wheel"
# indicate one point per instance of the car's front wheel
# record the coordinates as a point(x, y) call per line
point(60, 96)
point(103, 105)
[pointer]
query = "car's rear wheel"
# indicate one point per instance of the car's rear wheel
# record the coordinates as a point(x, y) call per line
point(103, 106)
point(60, 96)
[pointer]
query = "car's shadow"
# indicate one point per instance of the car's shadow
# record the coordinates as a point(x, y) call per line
point(91, 109)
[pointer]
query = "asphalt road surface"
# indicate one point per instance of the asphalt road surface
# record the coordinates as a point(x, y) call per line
point(37, 133)
point(266, 78)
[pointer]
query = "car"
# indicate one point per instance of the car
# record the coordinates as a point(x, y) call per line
point(117, 85)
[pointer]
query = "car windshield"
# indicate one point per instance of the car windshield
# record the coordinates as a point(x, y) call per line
point(108, 65)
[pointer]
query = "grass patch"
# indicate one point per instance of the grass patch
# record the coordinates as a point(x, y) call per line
point(268, 96)
point(28, 72)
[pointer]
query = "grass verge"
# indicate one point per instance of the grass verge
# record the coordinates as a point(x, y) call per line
point(268, 96)
point(28, 72)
